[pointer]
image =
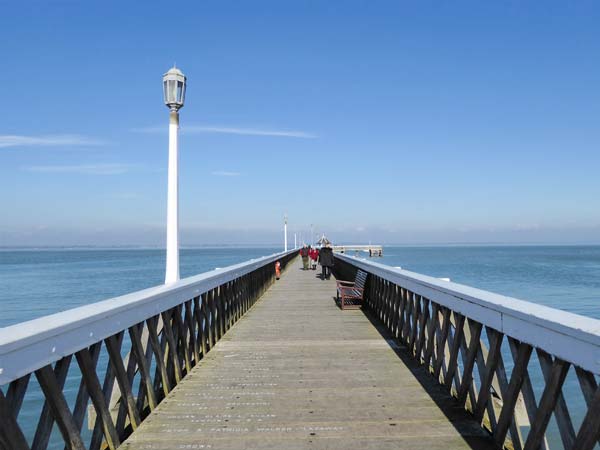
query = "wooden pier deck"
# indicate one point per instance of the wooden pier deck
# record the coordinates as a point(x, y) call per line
point(296, 372)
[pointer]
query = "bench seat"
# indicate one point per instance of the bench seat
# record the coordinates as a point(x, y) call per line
point(350, 294)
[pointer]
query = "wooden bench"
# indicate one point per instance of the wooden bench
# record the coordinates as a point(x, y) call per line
point(350, 293)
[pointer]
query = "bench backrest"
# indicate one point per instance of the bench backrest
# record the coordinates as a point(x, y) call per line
point(361, 279)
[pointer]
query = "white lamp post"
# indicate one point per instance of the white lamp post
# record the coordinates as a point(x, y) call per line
point(285, 233)
point(174, 82)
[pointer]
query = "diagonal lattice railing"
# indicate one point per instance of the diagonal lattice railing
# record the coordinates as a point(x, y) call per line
point(113, 362)
point(526, 372)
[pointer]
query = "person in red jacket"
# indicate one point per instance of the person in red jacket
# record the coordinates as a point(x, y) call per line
point(314, 255)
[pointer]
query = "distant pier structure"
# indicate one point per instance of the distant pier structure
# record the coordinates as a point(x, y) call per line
point(372, 250)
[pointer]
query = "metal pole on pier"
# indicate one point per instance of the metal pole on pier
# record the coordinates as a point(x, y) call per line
point(174, 94)
point(285, 233)
point(295, 242)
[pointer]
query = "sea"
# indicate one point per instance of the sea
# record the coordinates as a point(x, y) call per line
point(38, 282)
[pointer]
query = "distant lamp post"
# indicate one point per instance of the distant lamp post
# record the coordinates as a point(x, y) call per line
point(174, 82)
point(285, 233)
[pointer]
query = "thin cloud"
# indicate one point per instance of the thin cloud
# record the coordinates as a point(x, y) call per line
point(10, 140)
point(249, 131)
point(127, 195)
point(198, 129)
point(84, 169)
point(224, 173)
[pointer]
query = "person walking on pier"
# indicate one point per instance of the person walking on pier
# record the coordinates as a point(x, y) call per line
point(326, 261)
point(304, 252)
point(314, 256)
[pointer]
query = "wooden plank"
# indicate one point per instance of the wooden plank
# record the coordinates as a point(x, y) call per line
point(88, 373)
point(226, 304)
point(144, 368)
point(589, 432)
point(370, 298)
point(189, 323)
point(431, 333)
point(81, 402)
point(441, 342)
point(402, 313)
point(472, 395)
point(113, 348)
point(395, 309)
point(236, 300)
point(204, 310)
point(424, 315)
point(107, 388)
point(588, 384)
point(159, 355)
point(469, 365)
point(46, 421)
point(449, 344)
point(489, 421)
point(415, 322)
point(453, 360)
point(210, 318)
point(229, 307)
point(527, 391)
point(548, 402)
point(11, 435)
point(182, 333)
point(561, 411)
point(199, 322)
point(16, 393)
point(516, 439)
point(217, 312)
point(408, 319)
point(387, 314)
point(142, 400)
point(491, 363)
point(381, 300)
point(509, 398)
point(59, 408)
point(171, 345)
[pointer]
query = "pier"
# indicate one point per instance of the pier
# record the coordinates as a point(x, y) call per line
point(372, 250)
point(296, 373)
point(233, 359)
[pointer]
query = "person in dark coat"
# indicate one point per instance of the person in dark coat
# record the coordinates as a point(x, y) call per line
point(304, 252)
point(326, 261)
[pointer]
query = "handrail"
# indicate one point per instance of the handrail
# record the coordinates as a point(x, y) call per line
point(165, 331)
point(444, 325)
point(570, 336)
point(27, 346)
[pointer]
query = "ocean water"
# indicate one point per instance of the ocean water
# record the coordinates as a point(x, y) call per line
point(563, 277)
point(36, 283)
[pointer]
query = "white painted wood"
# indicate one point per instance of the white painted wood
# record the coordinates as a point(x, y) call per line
point(285, 245)
point(569, 336)
point(172, 269)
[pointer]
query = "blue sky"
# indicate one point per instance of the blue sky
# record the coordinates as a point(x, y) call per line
point(389, 121)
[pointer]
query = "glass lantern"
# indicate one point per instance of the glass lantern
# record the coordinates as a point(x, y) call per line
point(174, 88)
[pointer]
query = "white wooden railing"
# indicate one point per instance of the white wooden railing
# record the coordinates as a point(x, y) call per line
point(132, 349)
point(497, 355)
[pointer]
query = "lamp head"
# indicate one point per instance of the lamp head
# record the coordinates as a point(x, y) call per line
point(174, 83)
